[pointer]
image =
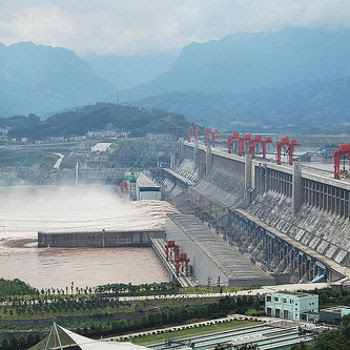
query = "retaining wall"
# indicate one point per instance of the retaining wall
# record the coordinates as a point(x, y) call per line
point(99, 239)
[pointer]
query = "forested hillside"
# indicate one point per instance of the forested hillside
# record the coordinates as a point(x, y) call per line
point(137, 121)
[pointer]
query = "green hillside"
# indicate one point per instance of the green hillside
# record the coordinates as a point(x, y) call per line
point(137, 121)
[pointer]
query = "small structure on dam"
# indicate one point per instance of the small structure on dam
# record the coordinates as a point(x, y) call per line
point(99, 239)
point(147, 189)
point(213, 261)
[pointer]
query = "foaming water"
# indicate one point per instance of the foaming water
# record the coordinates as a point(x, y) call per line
point(24, 213)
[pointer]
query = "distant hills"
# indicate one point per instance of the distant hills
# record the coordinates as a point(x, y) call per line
point(324, 103)
point(137, 121)
point(126, 71)
point(245, 62)
point(40, 79)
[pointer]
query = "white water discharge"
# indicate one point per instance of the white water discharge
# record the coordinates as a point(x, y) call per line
point(24, 212)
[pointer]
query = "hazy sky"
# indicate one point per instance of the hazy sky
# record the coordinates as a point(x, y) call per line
point(138, 26)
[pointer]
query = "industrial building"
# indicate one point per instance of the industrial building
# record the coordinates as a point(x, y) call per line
point(212, 260)
point(292, 306)
point(147, 189)
point(334, 314)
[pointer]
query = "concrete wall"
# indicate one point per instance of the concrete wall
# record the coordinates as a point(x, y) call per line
point(204, 269)
point(99, 239)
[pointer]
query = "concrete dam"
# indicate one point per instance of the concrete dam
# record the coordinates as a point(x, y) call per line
point(291, 220)
point(242, 221)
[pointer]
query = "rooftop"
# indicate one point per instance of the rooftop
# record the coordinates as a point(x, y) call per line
point(336, 309)
point(297, 294)
point(100, 147)
point(145, 181)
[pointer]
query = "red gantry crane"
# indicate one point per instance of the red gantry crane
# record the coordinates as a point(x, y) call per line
point(265, 142)
point(213, 134)
point(230, 140)
point(171, 246)
point(196, 132)
point(241, 143)
point(124, 187)
point(288, 147)
point(207, 134)
point(343, 152)
point(257, 139)
point(180, 262)
point(190, 130)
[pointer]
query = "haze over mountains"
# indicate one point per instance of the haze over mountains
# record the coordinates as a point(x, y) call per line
point(298, 75)
point(128, 71)
point(324, 103)
point(244, 62)
point(39, 79)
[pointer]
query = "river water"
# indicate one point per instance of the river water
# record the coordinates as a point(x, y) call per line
point(25, 212)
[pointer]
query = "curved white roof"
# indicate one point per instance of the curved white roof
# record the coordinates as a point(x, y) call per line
point(90, 344)
point(60, 336)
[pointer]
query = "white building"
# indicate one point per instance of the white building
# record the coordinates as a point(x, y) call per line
point(292, 305)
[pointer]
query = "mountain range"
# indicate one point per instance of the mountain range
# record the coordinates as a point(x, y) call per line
point(39, 79)
point(245, 62)
point(297, 77)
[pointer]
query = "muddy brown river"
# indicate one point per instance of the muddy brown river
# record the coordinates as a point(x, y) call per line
point(25, 212)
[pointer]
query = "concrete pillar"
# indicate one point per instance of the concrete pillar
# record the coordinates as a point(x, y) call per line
point(248, 171)
point(297, 199)
point(266, 178)
point(172, 160)
point(248, 178)
point(196, 154)
point(182, 149)
point(208, 160)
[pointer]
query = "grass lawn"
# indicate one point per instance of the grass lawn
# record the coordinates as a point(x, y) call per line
point(192, 332)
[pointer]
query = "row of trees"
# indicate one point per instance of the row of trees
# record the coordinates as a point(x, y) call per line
point(69, 305)
point(10, 290)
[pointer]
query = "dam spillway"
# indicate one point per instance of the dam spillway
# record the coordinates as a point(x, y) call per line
point(99, 239)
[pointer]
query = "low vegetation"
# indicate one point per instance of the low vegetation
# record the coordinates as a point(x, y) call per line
point(192, 332)
point(101, 311)
point(13, 158)
point(15, 288)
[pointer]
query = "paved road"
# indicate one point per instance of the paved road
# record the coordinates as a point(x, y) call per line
point(260, 291)
point(59, 160)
